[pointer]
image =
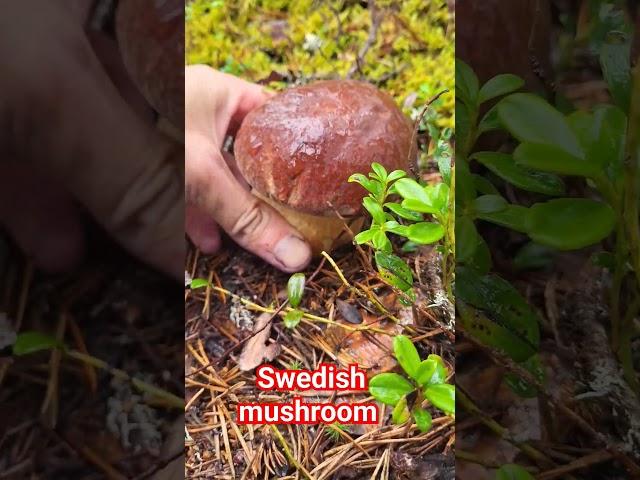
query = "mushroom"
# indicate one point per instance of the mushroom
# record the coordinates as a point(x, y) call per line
point(151, 39)
point(299, 148)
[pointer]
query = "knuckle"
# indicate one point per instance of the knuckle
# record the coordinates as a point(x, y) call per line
point(251, 223)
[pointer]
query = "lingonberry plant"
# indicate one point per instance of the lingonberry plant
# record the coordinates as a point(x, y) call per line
point(419, 213)
point(424, 382)
point(599, 149)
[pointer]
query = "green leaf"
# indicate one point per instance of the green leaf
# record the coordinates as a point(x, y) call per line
point(570, 223)
point(374, 209)
point(394, 270)
point(369, 185)
point(295, 289)
point(425, 232)
point(467, 85)
point(431, 371)
point(495, 313)
point(381, 242)
point(407, 355)
point(481, 261)
point(400, 413)
point(403, 212)
point(490, 121)
point(513, 472)
point(394, 227)
point(199, 283)
point(615, 60)
point(32, 342)
point(513, 217)
point(409, 189)
point(380, 171)
point(522, 387)
point(533, 256)
point(504, 166)
point(395, 175)
point(292, 318)
point(422, 418)
point(365, 236)
point(531, 119)
point(484, 186)
point(552, 159)
point(442, 396)
point(499, 85)
point(465, 186)
point(389, 388)
point(490, 204)
point(463, 129)
point(444, 167)
point(466, 239)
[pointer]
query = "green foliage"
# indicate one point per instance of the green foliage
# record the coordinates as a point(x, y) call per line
point(295, 291)
point(427, 378)
point(405, 219)
point(588, 145)
point(32, 342)
point(283, 40)
point(513, 472)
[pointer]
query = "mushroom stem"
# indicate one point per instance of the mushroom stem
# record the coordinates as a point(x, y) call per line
point(321, 232)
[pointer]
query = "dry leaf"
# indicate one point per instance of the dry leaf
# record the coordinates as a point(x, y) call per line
point(256, 350)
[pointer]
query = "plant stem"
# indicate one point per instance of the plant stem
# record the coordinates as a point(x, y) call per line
point(169, 398)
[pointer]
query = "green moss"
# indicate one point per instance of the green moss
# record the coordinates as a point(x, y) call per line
point(412, 57)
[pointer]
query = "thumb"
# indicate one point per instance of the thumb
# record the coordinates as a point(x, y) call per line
point(124, 172)
point(256, 226)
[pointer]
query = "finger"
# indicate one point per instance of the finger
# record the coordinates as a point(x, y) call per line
point(127, 175)
point(202, 229)
point(46, 225)
point(256, 226)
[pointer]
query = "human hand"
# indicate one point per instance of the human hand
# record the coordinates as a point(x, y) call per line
point(69, 136)
point(216, 194)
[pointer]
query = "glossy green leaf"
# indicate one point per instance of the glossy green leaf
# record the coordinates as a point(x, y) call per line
point(570, 223)
point(292, 318)
point(503, 165)
point(365, 236)
point(31, 342)
point(389, 388)
point(615, 60)
point(442, 396)
point(466, 239)
point(400, 413)
point(406, 354)
point(199, 283)
point(394, 227)
point(490, 121)
point(380, 171)
point(530, 119)
point(499, 85)
point(444, 167)
point(403, 212)
point(494, 312)
point(467, 85)
point(409, 189)
point(374, 209)
point(394, 270)
point(381, 242)
point(368, 184)
point(552, 159)
point(295, 289)
point(513, 217)
point(422, 418)
point(430, 371)
point(395, 175)
point(425, 232)
point(490, 204)
point(513, 472)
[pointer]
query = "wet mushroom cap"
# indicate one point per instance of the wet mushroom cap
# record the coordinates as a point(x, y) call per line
point(151, 39)
point(301, 146)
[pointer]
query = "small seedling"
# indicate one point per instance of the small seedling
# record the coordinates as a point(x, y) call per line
point(511, 471)
point(426, 379)
point(404, 218)
point(295, 291)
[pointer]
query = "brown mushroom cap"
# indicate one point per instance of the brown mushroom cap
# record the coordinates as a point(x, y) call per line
point(151, 39)
point(301, 146)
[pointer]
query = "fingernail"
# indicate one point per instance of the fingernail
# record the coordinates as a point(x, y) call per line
point(292, 252)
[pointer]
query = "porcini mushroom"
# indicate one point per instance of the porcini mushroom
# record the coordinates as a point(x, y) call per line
point(298, 150)
point(151, 39)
